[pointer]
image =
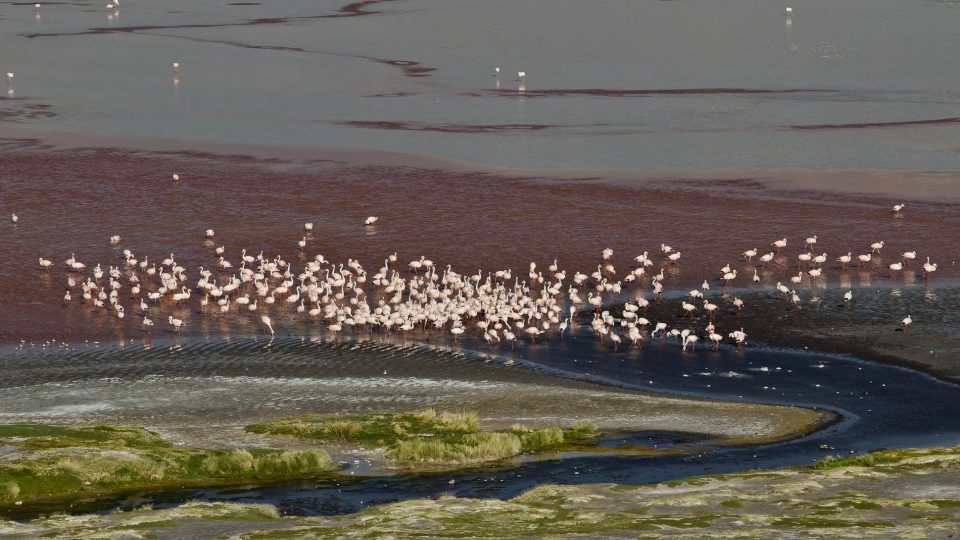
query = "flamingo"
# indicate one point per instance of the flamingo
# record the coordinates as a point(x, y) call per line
point(370, 220)
point(929, 268)
point(845, 259)
point(906, 322)
point(176, 323)
point(266, 320)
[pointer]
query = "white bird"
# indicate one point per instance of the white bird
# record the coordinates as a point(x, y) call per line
point(176, 67)
point(370, 220)
point(209, 233)
point(848, 296)
point(810, 241)
point(750, 254)
point(929, 268)
point(845, 259)
point(779, 244)
point(788, 11)
point(45, 263)
point(308, 226)
point(906, 322)
point(176, 323)
point(14, 218)
point(522, 75)
point(266, 321)
point(876, 246)
point(496, 71)
point(9, 75)
point(898, 207)
point(176, 177)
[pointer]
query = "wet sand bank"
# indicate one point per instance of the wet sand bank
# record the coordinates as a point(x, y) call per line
point(203, 394)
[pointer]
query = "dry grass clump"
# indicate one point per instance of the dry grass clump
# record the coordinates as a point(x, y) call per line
point(9, 490)
point(543, 438)
point(475, 448)
point(460, 421)
point(290, 462)
point(235, 461)
point(109, 467)
point(343, 429)
point(285, 463)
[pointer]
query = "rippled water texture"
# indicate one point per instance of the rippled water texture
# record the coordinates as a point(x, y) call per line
point(220, 384)
point(622, 85)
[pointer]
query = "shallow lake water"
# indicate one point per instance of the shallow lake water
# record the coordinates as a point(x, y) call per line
point(646, 85)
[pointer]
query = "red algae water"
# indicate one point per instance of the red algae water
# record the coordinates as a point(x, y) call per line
point(71, 201)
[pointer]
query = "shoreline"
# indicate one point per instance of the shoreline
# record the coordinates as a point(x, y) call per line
point(880, 185)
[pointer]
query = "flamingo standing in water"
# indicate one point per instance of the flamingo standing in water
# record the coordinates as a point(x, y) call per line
point(266, 320)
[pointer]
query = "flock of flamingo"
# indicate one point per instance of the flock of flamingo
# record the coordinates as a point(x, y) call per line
point(498, 305)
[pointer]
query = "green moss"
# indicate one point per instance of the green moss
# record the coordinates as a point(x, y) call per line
point(865, 460)
point(111, 458)
point(40, 436)
point(818, 523)
point(945, 503)
point(427, 436)
point(733, 503)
